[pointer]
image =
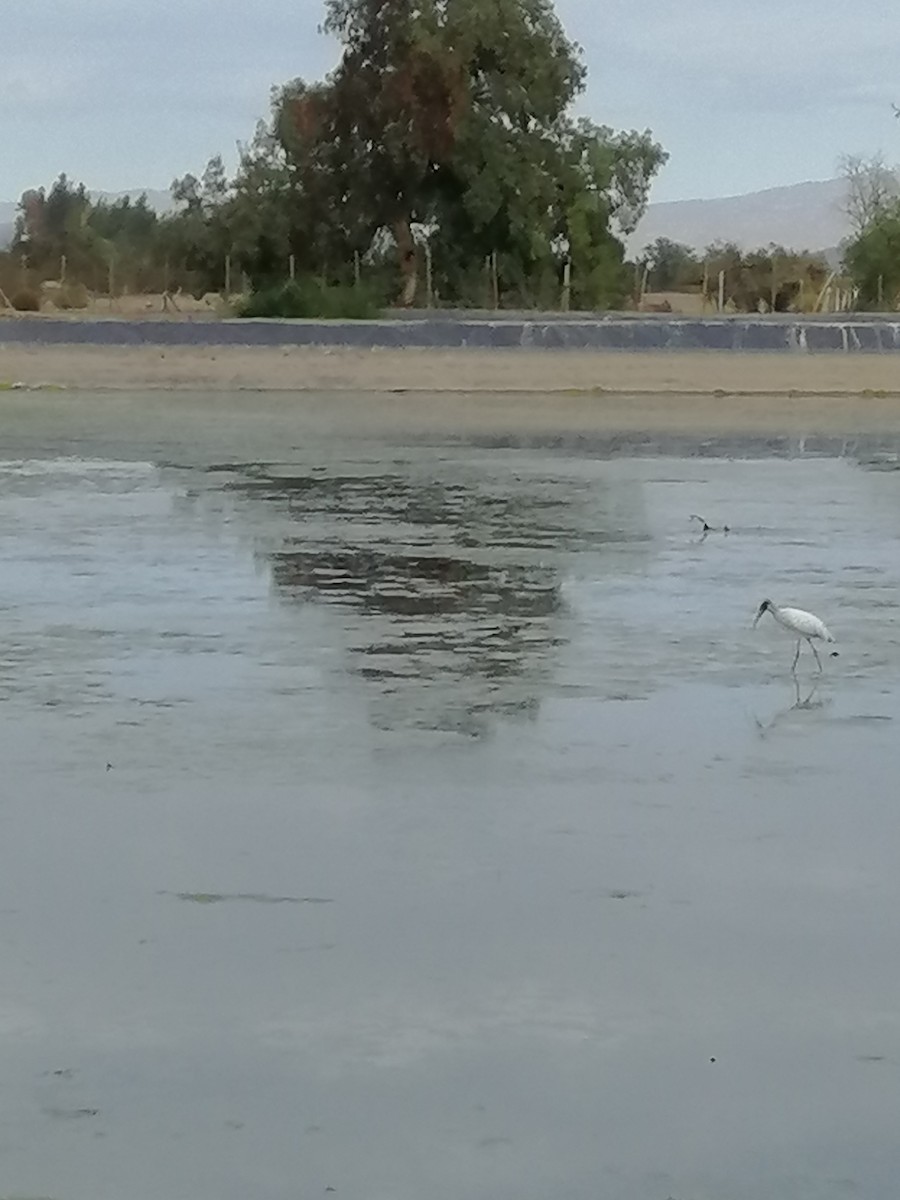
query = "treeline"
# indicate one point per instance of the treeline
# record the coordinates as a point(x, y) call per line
point(440, 161)
point(771, 279)
point(218, 239)
point(112, 247)
point(868, 277)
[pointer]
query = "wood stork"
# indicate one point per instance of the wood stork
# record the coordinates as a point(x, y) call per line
point(804, 625)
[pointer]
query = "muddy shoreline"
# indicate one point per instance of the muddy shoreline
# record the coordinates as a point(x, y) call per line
point(494, 390)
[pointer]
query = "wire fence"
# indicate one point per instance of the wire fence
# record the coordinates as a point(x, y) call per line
point(220, 284)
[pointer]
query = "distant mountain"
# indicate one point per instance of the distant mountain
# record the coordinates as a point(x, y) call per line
point(803, 216)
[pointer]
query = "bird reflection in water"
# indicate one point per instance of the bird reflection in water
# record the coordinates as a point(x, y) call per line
point(706, 529)
point(805, 701)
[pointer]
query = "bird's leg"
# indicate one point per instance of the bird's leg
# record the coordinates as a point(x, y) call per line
point(796, 656)
point(816, 653)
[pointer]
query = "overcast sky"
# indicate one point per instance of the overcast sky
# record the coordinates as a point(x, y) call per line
point(130, 93)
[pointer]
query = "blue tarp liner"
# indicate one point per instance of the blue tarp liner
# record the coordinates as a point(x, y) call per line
point(794, 335)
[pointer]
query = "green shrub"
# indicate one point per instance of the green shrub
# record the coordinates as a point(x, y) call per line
point(311, 298)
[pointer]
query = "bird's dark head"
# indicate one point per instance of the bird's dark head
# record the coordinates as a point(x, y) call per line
point(765, 607)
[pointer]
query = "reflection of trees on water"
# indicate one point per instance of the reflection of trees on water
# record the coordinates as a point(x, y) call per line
point(451, 590)
point(879, 452)
point(473, 637)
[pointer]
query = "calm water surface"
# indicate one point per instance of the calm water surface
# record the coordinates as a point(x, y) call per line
point(425, 820)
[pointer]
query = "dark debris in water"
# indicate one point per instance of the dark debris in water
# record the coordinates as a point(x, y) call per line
point(70, 1114)
point(249, 897)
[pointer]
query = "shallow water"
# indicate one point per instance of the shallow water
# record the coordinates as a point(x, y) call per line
point(426, 820)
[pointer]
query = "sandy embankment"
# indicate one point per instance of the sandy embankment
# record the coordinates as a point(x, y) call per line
point(660, 391)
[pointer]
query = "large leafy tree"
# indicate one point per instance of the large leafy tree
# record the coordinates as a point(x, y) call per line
point(453, 118)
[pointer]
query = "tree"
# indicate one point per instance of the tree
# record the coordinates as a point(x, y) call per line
point(671, 265)
point(873, 259)
point(51, 226)
point(872, 187)
point(331, 169)
point(453, 117)
point(125, 235)
point(262, 211)
point(768, 280)
point(194, 240)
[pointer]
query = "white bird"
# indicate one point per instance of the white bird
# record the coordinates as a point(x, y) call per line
point(805, 625)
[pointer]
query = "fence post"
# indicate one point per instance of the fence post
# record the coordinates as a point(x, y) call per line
point(567, 284)
point(705, 284)
point(62, 269)
point(880, 291)
point(291, 267)
point(721, 291)
point(495, 285)
point(356, 270)
point(227, 276)
point(428, 291)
